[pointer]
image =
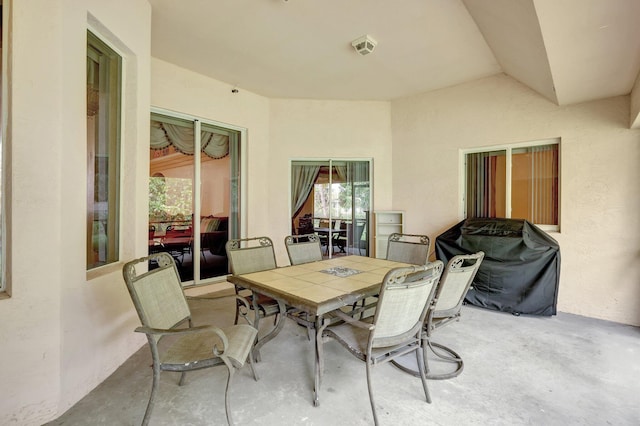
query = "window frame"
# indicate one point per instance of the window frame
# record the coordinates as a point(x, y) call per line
point(330, 162)
point(116, 125)
point(237, 228)
point(508, 148)
point(5, 285)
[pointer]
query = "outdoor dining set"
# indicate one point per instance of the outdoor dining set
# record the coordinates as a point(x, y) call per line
point(380, 310)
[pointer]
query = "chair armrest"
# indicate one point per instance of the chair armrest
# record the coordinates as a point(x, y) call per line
point(176, 331)
point(190, 330)
point(244, 314)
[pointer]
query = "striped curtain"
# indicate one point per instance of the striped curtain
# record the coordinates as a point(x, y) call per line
point(534, 184)
point(542, 206)
point(485, 184)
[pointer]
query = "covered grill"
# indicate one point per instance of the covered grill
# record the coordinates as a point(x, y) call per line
point(521, 268)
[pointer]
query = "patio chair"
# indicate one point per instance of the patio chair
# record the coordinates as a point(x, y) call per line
point(450, 293)
point(408, 248)
point(339, 237)
point(249, 255)
point(448, 301)
point(396, 329)
point(352, 239)
point(303, 248)
point(163, 310)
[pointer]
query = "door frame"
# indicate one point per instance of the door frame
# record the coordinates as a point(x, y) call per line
point(329, 160)
point(242, 196)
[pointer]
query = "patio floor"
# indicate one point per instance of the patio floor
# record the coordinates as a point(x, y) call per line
point(561, 370)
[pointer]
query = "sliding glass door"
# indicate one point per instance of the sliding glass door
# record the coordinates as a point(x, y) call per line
point(193, 194)
point(332, 199)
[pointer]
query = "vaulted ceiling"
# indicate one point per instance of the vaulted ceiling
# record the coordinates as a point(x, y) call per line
point(569, 51)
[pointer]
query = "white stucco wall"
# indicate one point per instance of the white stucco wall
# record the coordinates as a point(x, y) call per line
point(600, 197)
point(278, 130)
point(304, 129)
point(61, 333)
point(177, 89)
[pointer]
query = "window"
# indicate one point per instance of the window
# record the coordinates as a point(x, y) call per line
point(514, 181)
point(336, 200)
point(104, 76)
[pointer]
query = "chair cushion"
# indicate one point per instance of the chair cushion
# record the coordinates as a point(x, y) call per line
point(355, 340)
point(213, 223)
point(197, 347)
point(209, 224)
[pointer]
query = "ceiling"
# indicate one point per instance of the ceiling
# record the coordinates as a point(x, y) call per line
point(569, 51)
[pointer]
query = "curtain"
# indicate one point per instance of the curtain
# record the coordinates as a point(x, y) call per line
point(534, 184)
point(302, 179)
point(93, 85)
point(544, 184)
point(358, 171)
point(214, 145)
point(352, 171)
point(357, 176)
point(485, 184)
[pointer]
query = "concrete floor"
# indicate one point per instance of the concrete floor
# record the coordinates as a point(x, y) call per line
point(561, 370)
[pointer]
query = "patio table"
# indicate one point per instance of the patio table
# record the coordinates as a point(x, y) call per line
point(325, 233)
point(320, 287)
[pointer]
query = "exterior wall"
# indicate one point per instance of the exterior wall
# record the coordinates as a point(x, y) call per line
point(279, 130)
point(325, 129)
point(64, 332)
point(600, 200)
point(183, 91)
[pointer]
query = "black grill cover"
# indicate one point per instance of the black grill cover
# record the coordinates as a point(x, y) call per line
point(520, 272)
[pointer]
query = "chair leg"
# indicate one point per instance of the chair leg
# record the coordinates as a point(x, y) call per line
point(420, 358)
point(369, 387)
point(310, 333)
point(227, 404)
point(235, 321)
point(253, 368)
point(425, 344)
point(154, 388)
point(445, 354)
point(183, 376)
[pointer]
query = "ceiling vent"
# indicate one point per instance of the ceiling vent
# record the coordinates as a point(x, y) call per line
point(364, 45)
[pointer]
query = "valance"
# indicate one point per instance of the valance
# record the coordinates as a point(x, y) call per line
point(214, 145)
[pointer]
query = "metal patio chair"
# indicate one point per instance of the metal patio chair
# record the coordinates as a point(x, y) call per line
point(303, 248)
point(448, 301)
point(397, 325)
point(408, 248)
point(163, 310)
point(256, 254)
